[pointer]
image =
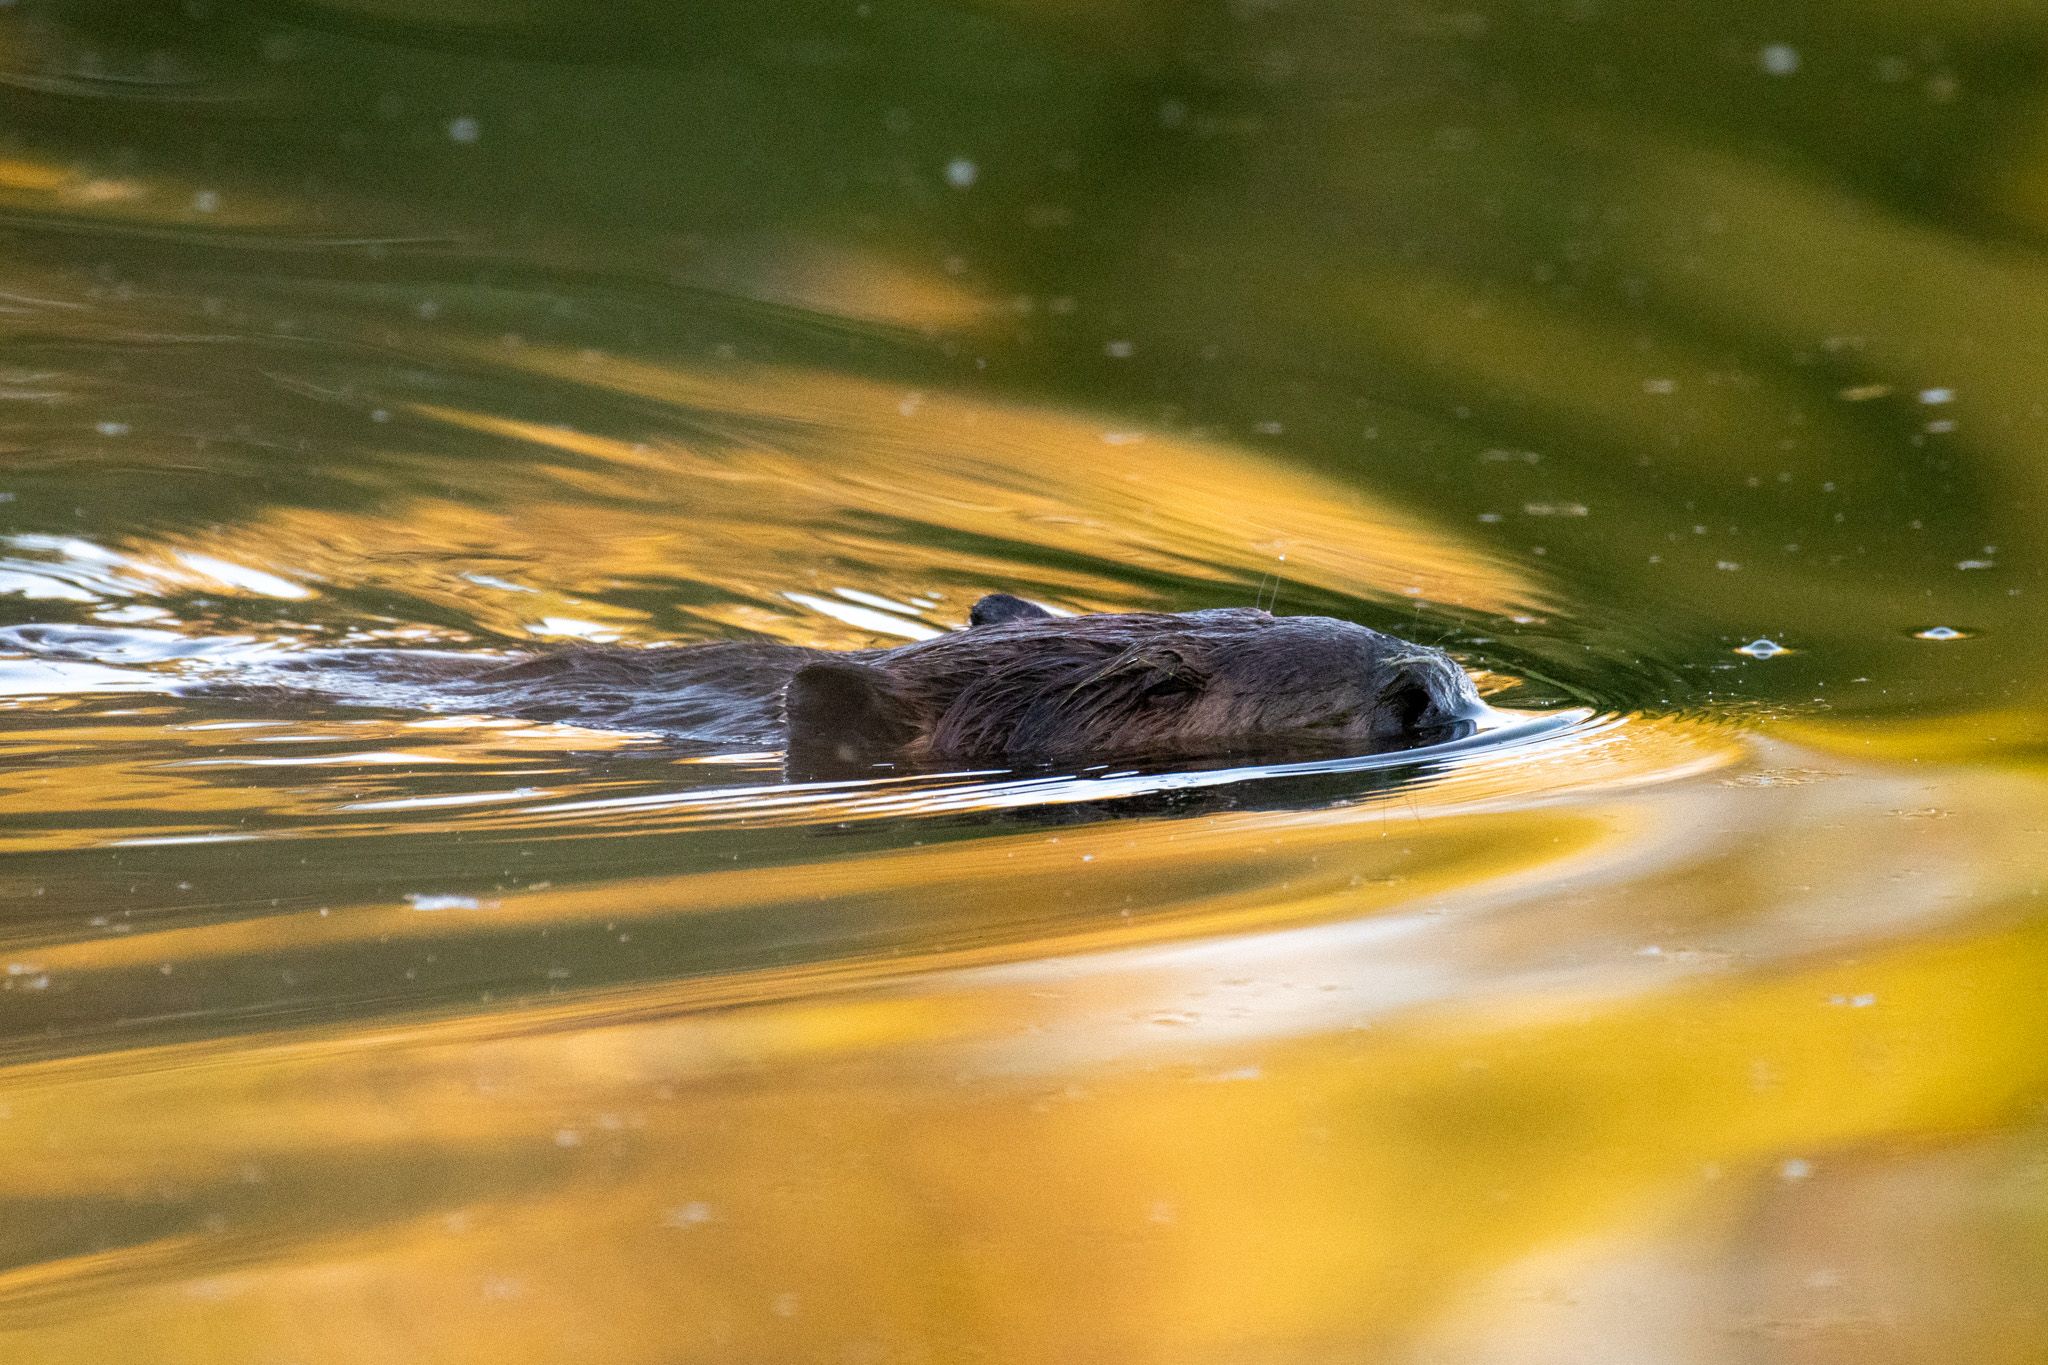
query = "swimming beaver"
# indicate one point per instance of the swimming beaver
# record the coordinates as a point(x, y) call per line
point(1018, 684)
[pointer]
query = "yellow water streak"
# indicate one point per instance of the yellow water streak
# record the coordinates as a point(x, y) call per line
point(911, 1178)
point(1094, 488)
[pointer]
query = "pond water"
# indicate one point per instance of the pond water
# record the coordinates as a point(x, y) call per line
point(1679, 368)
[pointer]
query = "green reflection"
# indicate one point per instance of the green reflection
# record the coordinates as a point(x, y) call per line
point(1592, 339)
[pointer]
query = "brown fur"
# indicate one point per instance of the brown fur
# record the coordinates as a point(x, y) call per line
point(1019, 684)
point(1102, 686)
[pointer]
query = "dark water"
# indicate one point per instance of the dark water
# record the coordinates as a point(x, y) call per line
point(1693, 1013)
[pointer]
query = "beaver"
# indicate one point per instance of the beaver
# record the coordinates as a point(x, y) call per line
point(1019, 685)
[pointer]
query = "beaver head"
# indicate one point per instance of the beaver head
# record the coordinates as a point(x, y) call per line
point(1021, 683)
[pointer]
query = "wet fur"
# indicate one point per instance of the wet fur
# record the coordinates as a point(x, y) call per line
point(1020, 684)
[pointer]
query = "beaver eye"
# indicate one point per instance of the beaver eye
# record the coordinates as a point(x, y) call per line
point(1167, 686)
point(1406, 704)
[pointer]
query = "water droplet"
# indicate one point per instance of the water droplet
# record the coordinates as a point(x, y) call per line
point(962, 173)
point(1778, 59)
point(1941, 633)
point(1761, 648)
point(689, 1215)
point(420, 900)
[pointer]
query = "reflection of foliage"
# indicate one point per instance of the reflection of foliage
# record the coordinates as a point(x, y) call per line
point(1399, 239)
point(1621, 245)
point(1331, 1139)
point(665, 319)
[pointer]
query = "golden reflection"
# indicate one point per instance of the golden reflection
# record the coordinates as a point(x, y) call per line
point(781, 465)
point(2009, 737)
point(478, 1041)
point(1130, 880)
point(110, 781)
point(1369, 1086)
point(804, 446)
point(1284, 1146)
point(829, 280)
point(38, 187)
point(31, 176)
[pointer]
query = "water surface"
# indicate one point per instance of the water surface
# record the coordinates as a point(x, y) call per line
point(1679, 372)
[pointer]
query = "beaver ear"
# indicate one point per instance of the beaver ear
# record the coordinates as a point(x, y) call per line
point(846, 712)
point(1000, 606)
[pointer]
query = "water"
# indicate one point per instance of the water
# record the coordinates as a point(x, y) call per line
point(1693, 1012)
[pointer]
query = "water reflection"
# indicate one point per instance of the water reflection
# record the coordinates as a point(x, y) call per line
point(1697, 1017)
point(1233, 1134)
